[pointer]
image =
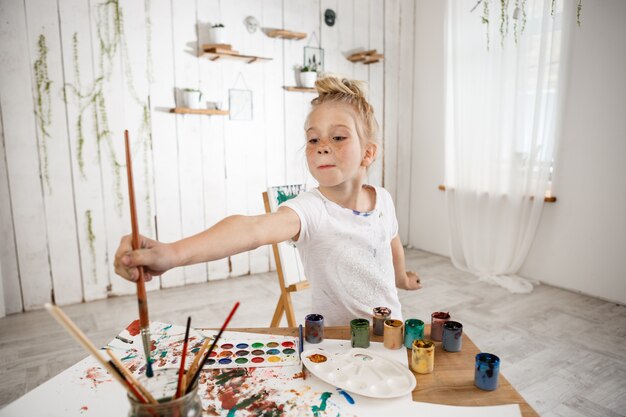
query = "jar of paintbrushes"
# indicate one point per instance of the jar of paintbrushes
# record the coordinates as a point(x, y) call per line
point(162, 387)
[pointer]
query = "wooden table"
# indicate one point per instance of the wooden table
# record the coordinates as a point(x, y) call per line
point(452, 382)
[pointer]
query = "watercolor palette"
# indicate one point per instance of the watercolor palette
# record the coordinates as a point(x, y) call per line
point(360, 371)
point(253, 353)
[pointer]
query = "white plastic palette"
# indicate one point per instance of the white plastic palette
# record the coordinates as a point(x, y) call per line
point(360, 371)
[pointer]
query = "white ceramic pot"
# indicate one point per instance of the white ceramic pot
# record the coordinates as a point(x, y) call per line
point(307, 79)
point(192, 99)
point(218, 36)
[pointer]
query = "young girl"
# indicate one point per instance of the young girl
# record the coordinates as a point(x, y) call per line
point(345, 230)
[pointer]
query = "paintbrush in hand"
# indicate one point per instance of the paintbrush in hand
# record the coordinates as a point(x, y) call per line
point(142, 298)
point(195, 376)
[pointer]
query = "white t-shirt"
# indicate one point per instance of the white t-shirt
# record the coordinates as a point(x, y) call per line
point(347, 256)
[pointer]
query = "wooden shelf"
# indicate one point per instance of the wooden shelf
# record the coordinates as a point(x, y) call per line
point(286, 34)
point(209, 112)
point(546, 199)
point(366, 57)
point(214, 56)
point(301, 89)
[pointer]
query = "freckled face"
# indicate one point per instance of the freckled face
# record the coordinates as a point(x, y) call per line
point(333, 150)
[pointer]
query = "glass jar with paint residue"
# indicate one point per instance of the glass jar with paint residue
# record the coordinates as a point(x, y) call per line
point(452, 336)
point(314, 328)
point(378, 319)
point(423, 356)
point(437, 319)
point(360, 333)
point(394, 334)
point(413, 330)
point(487, 371)
point(162, 386)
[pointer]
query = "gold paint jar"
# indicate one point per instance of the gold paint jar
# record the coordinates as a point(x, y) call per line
point(423, 356)
point(393, 336)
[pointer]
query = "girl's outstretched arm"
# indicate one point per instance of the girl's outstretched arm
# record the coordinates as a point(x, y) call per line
point(232, 235)
point(404, 280)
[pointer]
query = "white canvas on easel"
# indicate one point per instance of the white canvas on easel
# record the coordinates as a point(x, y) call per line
point(288, 264)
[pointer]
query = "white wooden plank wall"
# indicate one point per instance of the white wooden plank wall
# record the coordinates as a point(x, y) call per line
point(63, 203)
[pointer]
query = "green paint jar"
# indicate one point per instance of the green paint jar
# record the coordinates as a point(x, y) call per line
point(413, 330)
point(360, 333)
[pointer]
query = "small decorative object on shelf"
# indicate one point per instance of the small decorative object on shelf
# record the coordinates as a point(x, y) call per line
point(301, 89)
point(366, 57)
point(286, 34)
point(218, 33)
point(209, 112)
point(191, 98)
point(216, 51)
point(308, 76)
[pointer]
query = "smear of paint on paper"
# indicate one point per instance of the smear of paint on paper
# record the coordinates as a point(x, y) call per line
point(322, 407)
point(347, 396)
point(134, 328)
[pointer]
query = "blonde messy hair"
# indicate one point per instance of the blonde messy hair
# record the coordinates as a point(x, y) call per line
point(341, 90)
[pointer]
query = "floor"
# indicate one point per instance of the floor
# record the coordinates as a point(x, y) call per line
point(564, 352)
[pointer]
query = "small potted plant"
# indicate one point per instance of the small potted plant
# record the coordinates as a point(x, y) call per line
point(308, 76)
point(217, 34)
point(191, 98)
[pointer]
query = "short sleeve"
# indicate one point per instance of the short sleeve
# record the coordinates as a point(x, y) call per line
point(308, 207)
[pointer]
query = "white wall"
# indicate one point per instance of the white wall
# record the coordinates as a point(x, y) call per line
point(581, 240)
point(62, 212)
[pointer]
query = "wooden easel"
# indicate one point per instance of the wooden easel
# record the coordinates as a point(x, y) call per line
point(284, 305)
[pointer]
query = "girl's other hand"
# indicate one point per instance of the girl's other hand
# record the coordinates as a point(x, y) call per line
point(155, 257)
point(413, 281)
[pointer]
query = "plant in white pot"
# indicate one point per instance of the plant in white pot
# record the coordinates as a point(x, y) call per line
point(308, 76)
point(192, 98)
point(218, 35)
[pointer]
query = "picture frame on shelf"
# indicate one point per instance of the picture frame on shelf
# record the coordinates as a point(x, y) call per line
point(314, 58)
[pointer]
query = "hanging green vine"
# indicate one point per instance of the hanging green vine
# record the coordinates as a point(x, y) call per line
point(43, 100)
point(485, 19)
point(504, 20)
point(111, 40)
point(91, 238)
point(520, 9)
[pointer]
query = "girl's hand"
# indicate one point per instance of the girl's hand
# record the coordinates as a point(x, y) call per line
point(155, 257)
point(412, 281)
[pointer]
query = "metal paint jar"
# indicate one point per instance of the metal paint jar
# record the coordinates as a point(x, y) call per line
point(437, 319)
point(393, 335)
point(360, 333)
point(452, 336)
point(413, 330)
point(314, 328)
point(378, 321)
point(487, 371)
point(423, 356)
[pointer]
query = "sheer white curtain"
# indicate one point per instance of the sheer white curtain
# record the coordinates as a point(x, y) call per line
point(502, 121)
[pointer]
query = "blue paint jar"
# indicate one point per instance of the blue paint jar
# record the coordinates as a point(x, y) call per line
point(314, 328)
point(487, 371)
point(452, 336)
point(413, 330)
